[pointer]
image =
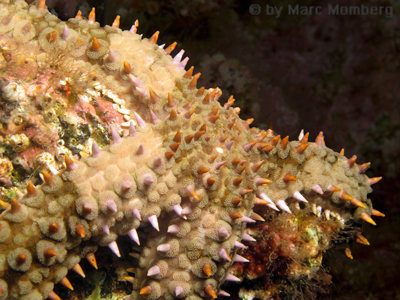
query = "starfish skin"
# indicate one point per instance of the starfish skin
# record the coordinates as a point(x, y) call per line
point(183, 181)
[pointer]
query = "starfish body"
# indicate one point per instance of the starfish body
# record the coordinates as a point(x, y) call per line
point(182, 180)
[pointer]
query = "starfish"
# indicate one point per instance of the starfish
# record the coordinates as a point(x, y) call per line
point(183, 176)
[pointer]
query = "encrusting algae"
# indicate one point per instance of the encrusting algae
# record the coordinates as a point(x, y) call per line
point(183, 176)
